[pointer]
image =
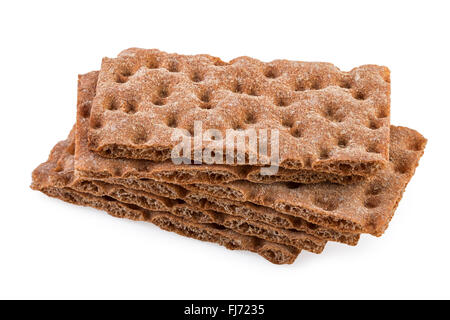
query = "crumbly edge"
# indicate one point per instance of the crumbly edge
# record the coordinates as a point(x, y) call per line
point(341, 172)
point(245, 210)
point(277, 254)
point(181, 208)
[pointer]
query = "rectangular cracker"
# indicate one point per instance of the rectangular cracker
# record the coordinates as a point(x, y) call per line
point(328, 120)
point(89, 166)
point(55, 176)
point(94, 166)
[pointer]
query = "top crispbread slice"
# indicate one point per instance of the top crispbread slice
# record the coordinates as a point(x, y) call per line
point(328, 120)
point(92, 165)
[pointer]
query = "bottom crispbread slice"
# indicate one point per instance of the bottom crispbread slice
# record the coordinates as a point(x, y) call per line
point(246, 210)
point(179, 207)
point(365, 207)
point(244, 218)
point(54, 177)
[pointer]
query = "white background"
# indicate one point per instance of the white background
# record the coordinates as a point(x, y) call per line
point(49, 249)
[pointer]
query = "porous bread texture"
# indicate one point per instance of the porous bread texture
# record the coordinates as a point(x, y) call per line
point(365, 207)
point(55, 176)
point(329, 120)
point(90, 166)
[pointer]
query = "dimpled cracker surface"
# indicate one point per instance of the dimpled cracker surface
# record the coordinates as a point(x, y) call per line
point(328, 120)
point(365, 207)
point(89, 165)
point(55, 176)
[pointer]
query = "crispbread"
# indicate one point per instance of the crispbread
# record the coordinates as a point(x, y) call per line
point(309, 201)
point(178, 207)
point(329, 120)
point(366, 207)
point(252, 213)
point(90, 166)
point(54, 177)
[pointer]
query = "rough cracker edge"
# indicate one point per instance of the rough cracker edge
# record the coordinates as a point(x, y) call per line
point(246, 210)
point(277, 254)
point(53, 177)
point(342, 172)
point(148, 201)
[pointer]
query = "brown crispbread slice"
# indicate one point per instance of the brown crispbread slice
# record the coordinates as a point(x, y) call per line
point(329, 120)
point(270, 216)
point(179, 207)
point(248, 211)
point(90, 166)
point(366, 207)
point(55, 176)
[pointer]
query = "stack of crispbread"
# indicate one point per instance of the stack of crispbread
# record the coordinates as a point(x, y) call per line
point(152, 142)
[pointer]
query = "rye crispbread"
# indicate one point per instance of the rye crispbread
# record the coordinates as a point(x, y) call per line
point(359, 212)
point(178, 207)
point(329, 120)
point(89, 166)
point(365, 207)
point(55, 176)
